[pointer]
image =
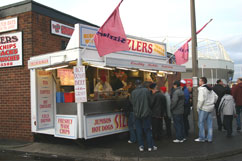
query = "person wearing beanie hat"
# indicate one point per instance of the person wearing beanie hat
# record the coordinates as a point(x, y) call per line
point(177, 110)
point(167, 115)
point(183, 83)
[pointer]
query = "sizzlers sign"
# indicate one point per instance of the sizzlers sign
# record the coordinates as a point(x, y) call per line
point(11, 50)
point(136, 45)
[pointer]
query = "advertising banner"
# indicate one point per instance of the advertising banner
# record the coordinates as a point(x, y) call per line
point(45, 102)
point(11, 50)
point(101, 125)
point(66, 126)
point(9, 24)
point(80, 84)
point(61, 29)
point(137, 46)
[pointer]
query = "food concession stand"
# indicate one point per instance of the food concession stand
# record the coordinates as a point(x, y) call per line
point(64, 102)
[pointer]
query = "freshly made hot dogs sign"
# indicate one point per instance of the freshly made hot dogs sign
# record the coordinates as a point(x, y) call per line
point(11, 50)
point(107, 124)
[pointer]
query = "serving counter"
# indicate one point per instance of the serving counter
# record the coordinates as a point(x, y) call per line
point(92, 107)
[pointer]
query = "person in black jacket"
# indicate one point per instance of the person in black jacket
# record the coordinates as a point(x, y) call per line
point(219, 89)
point(158, 107)
point(141, 101)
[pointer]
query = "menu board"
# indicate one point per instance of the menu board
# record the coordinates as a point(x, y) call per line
point(45, 109)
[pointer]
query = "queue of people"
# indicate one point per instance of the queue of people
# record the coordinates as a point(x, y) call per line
point(150, 106)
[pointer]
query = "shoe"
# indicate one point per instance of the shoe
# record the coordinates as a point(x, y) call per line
point(199, 140)
point(184, 139)
point(130, 142)
point(154, 148)
point(177, 141)
point(141, 148)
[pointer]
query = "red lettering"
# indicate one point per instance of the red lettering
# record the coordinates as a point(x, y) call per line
point(144, 47)
point(150, 50)
point(129, 42)
point(138, 46)
point(133, 46)
point(96, 129)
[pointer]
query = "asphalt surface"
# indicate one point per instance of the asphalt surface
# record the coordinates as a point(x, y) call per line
point(115, 147)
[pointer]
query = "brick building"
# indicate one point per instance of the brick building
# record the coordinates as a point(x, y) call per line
point(34, 22)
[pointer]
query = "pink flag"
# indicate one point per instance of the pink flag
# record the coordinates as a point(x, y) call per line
point(182, 54)
point(111, 36)
point(201, 29)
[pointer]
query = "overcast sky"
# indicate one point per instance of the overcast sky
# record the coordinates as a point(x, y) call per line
point(157, 19)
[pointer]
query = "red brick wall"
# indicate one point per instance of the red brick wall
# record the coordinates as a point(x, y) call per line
point(15, 110)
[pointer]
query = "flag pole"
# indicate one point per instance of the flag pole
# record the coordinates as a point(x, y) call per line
point(83, 51)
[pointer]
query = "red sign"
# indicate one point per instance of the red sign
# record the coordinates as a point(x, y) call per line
point(61, 29)
point(188, 82)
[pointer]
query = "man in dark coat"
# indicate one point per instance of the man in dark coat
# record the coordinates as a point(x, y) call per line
point(158, 107)
point(219, 89)
point(177, 110)
point(141, 100)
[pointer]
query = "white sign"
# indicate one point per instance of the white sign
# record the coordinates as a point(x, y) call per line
point(9, 24)
point(11, 50)
point(80, 84)
point(101, 125)
point(115, 62)
point(66, 126)
point(45, 109)
point(61, 29)
point(137, 46)
point(38, 63)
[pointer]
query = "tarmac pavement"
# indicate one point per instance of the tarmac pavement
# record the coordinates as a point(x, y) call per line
point(116, 148)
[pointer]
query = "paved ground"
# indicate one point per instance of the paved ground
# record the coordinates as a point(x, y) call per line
point(115, 147)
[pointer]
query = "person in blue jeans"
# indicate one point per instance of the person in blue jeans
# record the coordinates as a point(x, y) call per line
point(131, 126)
point(128, 111)
point(177, 110)
point(205, 106)
point(140, 100)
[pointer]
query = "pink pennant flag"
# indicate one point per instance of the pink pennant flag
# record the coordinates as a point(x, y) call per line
point(182, 54)
point(111, 36)
point(201, 29)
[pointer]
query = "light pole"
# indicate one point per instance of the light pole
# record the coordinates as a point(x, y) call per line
point(194, 67)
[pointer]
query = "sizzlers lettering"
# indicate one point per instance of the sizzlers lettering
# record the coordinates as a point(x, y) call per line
point(115, 38)
point(8, 49)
